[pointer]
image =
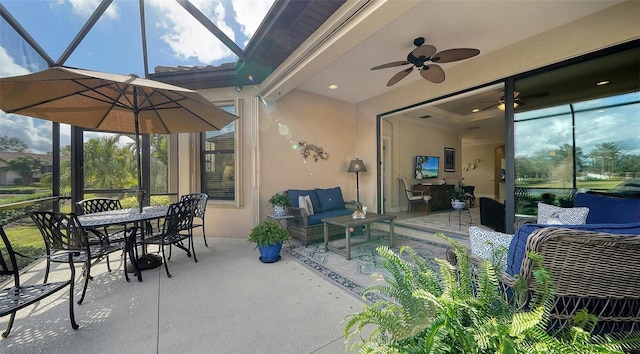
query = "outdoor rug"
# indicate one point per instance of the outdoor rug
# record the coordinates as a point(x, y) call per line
point(451, 223)
point(364, 268)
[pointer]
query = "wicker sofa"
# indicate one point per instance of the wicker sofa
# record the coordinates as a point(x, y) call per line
point(326, 203)
point(591, 270)
point(607, 214)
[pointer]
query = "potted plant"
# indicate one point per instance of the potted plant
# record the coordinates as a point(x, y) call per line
point(280, 202)
point(458, 197)
point(268, 236)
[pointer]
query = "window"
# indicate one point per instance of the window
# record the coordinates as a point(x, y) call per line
point(218, 158)
point(583, 138)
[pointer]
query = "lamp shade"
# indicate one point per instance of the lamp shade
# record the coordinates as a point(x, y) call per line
point(357, 165)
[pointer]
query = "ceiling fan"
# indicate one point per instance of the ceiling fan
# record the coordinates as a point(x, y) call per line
point(427, 53)
point(517, 101)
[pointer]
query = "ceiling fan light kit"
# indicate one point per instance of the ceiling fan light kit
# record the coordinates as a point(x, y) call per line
point(518, 101)
point(420, 57)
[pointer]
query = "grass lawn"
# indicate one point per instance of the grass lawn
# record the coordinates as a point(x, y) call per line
point(25, 240)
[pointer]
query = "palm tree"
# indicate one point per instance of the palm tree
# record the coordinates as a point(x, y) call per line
point(107, 165)
point(607, 154)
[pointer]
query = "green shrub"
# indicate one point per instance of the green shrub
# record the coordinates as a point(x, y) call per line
point(18, 190)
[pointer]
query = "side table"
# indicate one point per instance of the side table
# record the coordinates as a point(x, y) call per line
point(279, 219)
point(460, 216)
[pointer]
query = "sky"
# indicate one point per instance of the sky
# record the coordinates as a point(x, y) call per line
point(114, 43)
point(595, 125)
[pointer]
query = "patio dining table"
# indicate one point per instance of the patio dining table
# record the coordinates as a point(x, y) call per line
point(124, 217)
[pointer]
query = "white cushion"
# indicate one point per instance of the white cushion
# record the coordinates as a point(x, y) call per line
point(553, 215)
point(304, 202)
point(485, 243)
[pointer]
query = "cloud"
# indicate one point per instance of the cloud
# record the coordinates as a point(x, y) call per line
point(249, 14)
point(84, 8)
point(9, 66)
point(187, 38)
point(35, 133)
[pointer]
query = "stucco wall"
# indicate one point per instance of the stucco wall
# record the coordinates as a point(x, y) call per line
point(482, 177)
point(314, 119)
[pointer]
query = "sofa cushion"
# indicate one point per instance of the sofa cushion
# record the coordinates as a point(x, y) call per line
point(295, 193)
point(486, 244)
point(317, 217)
point(519, 241)
point(304, 202)
point(606, 209)
point(330, 199)
point(553, 215)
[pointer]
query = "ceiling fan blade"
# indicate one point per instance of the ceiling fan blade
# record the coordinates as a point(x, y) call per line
point(432, 73)
point(390, 65)
point(494, 105)
point(535, 95)
point(399, 76)
point(424, 51)
point(449, 55)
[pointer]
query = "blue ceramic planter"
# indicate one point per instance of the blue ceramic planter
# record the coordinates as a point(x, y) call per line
point(270, 254)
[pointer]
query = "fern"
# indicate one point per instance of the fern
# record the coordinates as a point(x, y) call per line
point(464, 311)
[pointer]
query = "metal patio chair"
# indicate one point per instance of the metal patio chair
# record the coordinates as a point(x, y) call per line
point(201, 208)
point(19, 296)
point(62, 232)
point(176, 228)
point(97, 205)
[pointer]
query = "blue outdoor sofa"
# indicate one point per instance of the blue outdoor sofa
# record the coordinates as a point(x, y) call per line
point(607, 214)
point(326, 203)
point(595, 266)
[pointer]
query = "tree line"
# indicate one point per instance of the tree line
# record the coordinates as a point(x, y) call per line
point(106, 163)
point(606, 160)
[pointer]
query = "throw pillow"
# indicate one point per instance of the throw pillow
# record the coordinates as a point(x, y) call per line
point(553, 215)
point(487, 244)
point(330, 199)
point(304, 201)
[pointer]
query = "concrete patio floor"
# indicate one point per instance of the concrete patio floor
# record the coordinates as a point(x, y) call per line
point(227, 302)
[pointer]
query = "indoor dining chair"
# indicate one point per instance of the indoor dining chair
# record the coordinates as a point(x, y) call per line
point(414, 196)
point(62, 232)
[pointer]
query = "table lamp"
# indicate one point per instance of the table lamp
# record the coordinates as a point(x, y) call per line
point(357, 166)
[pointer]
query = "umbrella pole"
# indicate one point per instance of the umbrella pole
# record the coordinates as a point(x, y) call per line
point(140, 193)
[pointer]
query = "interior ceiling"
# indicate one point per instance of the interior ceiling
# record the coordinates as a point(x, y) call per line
point(446, 25)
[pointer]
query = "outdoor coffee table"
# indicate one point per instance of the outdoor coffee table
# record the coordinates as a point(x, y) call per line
point(348, 222)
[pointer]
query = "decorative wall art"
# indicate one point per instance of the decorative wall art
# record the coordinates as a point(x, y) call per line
point(472, 165)
point(449, 159)
point(317, 152)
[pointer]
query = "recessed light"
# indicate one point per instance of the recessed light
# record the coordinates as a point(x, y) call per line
point(475, 110)
point(333, 87)
point(603, 82)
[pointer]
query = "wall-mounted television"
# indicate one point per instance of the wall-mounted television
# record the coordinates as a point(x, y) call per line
point(426, 167)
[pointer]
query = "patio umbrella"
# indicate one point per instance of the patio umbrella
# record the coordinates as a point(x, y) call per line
point(111, 102)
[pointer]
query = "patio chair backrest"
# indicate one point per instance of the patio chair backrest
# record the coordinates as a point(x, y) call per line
point(201, 199)
point(60, 231)
point(8, 263)
point(180, 216)
point(96, 205)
